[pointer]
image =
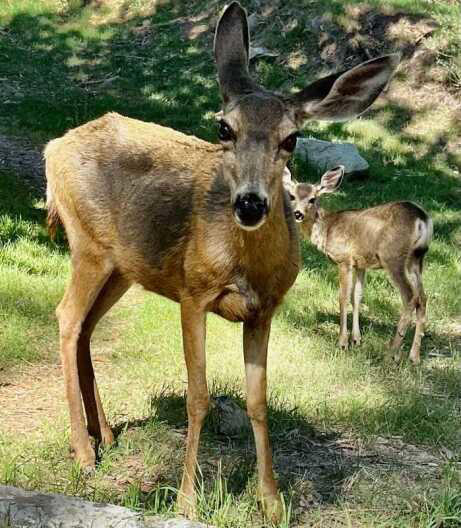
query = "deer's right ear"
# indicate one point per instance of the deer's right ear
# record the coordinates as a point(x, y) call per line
point(331, 180)
point(231, 50)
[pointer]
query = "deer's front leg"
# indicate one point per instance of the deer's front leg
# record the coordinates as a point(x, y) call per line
point(193, 320)
point(345, 288)
point(255, 340)
point(356, 300)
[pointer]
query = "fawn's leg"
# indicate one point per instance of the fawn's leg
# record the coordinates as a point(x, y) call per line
point(255, 341)
point(193, 320)
point(345, 289)
point(115, 286)
point(89, 274)
point(399, 277)
point(420, 312)
point(356, 300)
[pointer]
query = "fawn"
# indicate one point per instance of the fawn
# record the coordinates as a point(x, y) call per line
point(393, 236)
point(206, 225)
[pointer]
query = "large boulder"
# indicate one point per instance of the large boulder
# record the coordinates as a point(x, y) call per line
point(30, 509)
point(324, 155)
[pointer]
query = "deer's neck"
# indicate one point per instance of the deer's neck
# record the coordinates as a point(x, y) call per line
point(315, 229)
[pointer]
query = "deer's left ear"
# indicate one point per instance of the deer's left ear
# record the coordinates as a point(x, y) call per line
point(331, 180)
point(231, 50)
point(342, 96)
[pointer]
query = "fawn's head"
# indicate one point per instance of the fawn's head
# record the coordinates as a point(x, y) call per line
point(258, 128)
point(304, 196)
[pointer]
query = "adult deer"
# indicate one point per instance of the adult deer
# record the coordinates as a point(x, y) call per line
point(208, 226)
point(393, 236)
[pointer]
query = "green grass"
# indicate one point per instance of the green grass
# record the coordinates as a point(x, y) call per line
point(358, 441)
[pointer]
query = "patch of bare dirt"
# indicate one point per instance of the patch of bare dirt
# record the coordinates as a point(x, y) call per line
point(34, 394)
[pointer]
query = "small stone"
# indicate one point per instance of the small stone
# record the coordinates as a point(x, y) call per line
point(260, 51)
point(231, 419)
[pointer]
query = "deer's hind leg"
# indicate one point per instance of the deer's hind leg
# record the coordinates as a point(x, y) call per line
point(397, 271)
point(115, 286)
point(90, 272)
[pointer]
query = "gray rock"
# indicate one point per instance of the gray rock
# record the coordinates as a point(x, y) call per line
point(324, 155)
point(27, 509)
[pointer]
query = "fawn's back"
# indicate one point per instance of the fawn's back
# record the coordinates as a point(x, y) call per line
point(369, 237)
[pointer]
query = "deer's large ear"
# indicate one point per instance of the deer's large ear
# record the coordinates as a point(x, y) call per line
point(231, 49)
point(331, 180)
point(345, 95)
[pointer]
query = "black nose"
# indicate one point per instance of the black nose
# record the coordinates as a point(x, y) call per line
point(299, 216)
point(250, 208)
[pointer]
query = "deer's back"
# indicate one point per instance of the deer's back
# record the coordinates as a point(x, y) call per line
point(372, 236)
point(132, 186)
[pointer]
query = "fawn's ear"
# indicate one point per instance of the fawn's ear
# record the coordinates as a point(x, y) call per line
point(288, 182)
point(231, 50)
point(331, 180)
point(344, 95)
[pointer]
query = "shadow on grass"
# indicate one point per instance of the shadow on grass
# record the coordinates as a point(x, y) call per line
point(315, 464)
point(21, 216)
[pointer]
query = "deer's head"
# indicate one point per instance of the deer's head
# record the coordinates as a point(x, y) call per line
point(258, 128)
point(304, 196)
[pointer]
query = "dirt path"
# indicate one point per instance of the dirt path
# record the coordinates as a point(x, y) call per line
point(34, 395)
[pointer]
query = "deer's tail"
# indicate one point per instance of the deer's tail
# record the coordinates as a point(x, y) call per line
point(53, 218)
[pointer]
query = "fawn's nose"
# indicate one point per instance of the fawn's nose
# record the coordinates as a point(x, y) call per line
point(250, 209)
point(299, 217)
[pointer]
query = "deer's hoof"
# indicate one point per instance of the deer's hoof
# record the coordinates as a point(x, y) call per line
point(107, 437)
point(356, 340)
point(86, 458)
point(187, 506)
point(272, 508)
point(343, 343)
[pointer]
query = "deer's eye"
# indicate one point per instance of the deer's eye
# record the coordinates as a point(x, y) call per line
point(292, 198)
point(289, 143)
point(225, 132)
point(311, 200)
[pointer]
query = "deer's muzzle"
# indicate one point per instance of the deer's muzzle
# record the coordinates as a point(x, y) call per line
point(250, 210)
point(299, 217)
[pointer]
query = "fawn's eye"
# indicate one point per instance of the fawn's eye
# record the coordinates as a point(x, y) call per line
point(311, 200)
point(292, 198)
point(225, 132)
point(289, 143)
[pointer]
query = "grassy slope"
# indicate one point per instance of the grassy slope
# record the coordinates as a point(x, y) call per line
point(73, 68)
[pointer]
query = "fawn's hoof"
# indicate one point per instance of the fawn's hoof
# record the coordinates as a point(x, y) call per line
point(415, 359)
point(356, 340)
point(343, 342)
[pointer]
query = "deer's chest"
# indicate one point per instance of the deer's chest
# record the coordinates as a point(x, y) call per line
point(242, 281)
